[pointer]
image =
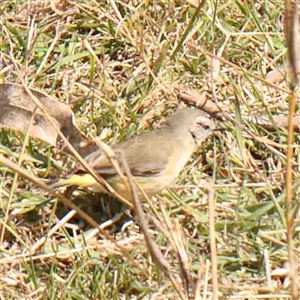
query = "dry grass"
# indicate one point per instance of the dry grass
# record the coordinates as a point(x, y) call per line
point(137, 54)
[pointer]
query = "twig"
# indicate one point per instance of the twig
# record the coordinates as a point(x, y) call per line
point(212, 236)
point(291, 36)
point(154, 250)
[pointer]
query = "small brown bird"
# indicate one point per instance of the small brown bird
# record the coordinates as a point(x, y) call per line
point(155, 158)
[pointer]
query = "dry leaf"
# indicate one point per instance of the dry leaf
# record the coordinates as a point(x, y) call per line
point(18, 108)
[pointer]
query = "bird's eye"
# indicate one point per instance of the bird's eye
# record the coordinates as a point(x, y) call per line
point(206, 127)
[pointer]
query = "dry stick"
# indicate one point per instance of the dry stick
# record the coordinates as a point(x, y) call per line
point(212, 236)
point(206, 278)
point(112, 158)
point(291, 40)
point(199, 281)
point(291, 35)
point(289, 200)
point(7, 163)
point(54, 229)
point(110, 154)
point(104, 225)
point(268, 270)
point(155, 252)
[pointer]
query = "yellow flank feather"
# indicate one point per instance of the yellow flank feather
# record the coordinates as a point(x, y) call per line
point(82, 180)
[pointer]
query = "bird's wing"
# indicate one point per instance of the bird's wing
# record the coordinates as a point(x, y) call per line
point(142, 156)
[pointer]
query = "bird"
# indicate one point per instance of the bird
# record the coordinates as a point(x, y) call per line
point(155, 158)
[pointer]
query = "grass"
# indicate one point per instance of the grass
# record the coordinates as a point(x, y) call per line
point(137, 54)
